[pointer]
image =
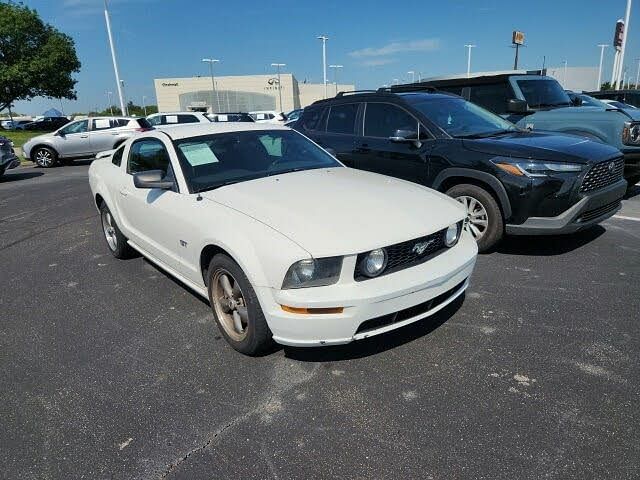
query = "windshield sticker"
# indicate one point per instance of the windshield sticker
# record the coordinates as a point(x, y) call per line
point(223, 118)
point(171, 119)
point(198, 154)
point(102, 123)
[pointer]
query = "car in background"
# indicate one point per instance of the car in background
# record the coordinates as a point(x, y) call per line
point(510, 180)
point(286, 243)
point(230, 117)
point(14, 124)
point(268, 116)
point(8, 158)
point(44, 124)
point(628, 96)
point(535, 101)
point(175, 118)
point(82, 139)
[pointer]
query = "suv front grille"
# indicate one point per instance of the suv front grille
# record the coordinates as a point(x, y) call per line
point(598, 212)
point(404, 255)
point(602, 175)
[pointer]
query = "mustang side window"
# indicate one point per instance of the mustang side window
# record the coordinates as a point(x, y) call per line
point(116, 159)
point(148, 155)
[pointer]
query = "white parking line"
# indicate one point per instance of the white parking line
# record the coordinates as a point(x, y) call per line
point(622, 217)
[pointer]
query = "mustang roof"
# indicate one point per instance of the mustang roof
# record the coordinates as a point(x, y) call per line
point(198, 129)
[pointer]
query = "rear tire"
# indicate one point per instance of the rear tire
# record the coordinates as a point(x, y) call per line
point(116, 241)
point(484, 218)
point(44, 157)
point(236, 308)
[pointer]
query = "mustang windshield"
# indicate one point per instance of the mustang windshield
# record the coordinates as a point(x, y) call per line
point(462, 119)
point(212, 161)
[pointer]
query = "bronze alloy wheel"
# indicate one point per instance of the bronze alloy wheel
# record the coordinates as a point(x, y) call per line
point(229, 304)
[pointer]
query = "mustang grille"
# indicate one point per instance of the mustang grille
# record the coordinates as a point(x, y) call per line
point(404, 255)
point(603, 174)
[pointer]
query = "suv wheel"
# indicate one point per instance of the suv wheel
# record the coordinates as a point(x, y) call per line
point(44, 157)
point(484, 218)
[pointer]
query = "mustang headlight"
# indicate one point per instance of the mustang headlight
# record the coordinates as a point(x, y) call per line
point(452, 234)
point(313, 272)
point(533, 168)
point(631, 134)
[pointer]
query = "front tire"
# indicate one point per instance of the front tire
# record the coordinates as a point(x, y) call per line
point(116, 241)
point(484, 218)
point(44, 157)
point(236, 308)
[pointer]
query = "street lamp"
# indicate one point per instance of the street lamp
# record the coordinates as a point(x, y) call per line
point(278, 65)
point(119, 83)
point(324, 39)
point(144, 105)
point(564, 75)
point(637, 74)
point(335, 75)
point(469, 47)
point(602, 47)
point(211, 61)
point(125, 111)
point(413, 75)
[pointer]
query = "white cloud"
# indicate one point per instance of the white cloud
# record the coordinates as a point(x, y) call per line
point(377, 62)
point(424, 45)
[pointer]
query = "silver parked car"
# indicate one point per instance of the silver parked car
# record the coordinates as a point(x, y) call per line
point(82, 139)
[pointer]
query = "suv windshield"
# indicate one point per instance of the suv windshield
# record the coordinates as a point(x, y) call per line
point(542, 93)
point(462, 119)
point(212, 161)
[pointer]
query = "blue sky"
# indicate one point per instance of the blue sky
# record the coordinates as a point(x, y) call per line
point(376, 44)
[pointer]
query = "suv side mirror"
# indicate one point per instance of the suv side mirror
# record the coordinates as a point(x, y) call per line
point(515, 105)
point(152, 179)
point(406, 136)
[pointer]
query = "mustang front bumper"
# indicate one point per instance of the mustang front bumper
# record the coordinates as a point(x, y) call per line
point(373, 306)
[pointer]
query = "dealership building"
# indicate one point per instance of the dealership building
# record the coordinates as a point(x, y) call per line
point(239, 93)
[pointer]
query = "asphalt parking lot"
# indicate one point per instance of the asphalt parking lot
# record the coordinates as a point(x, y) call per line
point(110, 369)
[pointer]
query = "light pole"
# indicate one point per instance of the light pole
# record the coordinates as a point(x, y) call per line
point(125, 111)
point(469, 47)
point(278, 65)
point(413, 76)
point(324, 39)
point(564, 74)
point(602, 47)
point(624, 42)
point(211, 61)
point(335, 75)
point(144, 105)
point(110, 102)
point(123, 108)
point(637, 74)
point(395, 81)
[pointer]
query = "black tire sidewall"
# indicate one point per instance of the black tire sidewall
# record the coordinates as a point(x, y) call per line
point(495, 229)
point(259, 337)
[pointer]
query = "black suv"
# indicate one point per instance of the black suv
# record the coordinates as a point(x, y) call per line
point(509, 179)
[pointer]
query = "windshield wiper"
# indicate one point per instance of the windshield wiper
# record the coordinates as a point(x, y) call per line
point(494, 133)
point(223, 184)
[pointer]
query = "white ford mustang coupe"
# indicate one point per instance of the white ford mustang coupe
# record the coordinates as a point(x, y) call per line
point(286, 243)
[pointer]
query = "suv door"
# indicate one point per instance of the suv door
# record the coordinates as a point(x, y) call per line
point(103, 134)
point(72, 140)
point(379, 150)
point(340, 131)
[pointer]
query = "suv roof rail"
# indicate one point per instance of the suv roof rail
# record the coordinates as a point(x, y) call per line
point(349, 92)
point(410, 87)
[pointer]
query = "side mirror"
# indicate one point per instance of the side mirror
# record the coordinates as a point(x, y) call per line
point(576, 102)
point(406, 136)
point(515, 105)
point(152, 179)
point(58, 133)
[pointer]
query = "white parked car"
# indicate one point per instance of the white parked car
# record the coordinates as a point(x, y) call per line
point(268, 116)
point(82, 139)
point(286, 243)
point(176, 118)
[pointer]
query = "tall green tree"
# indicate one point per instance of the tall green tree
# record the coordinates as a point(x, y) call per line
point(36, 60)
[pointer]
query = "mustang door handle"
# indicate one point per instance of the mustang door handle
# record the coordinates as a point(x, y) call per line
point(84, 136)
point(124, 193)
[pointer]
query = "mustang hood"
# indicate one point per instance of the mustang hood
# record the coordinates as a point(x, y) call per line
point(543, 146)
point(341, 211)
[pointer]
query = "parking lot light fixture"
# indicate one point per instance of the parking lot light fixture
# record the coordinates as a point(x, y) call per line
point(278, 65)
point(335, 75)
point(324, 39)
point(602, 47)
point(413, 75)
point(211, 61)
point(469, 47)
point(119, 83)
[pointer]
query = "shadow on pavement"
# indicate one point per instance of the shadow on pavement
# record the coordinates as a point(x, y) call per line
point(14, 177)
point(548, 245)
point(377, 344)
point(632, 192)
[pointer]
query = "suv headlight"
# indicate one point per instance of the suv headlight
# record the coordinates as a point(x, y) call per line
point(631, 134)
point(534, 168)
point(313, 272)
